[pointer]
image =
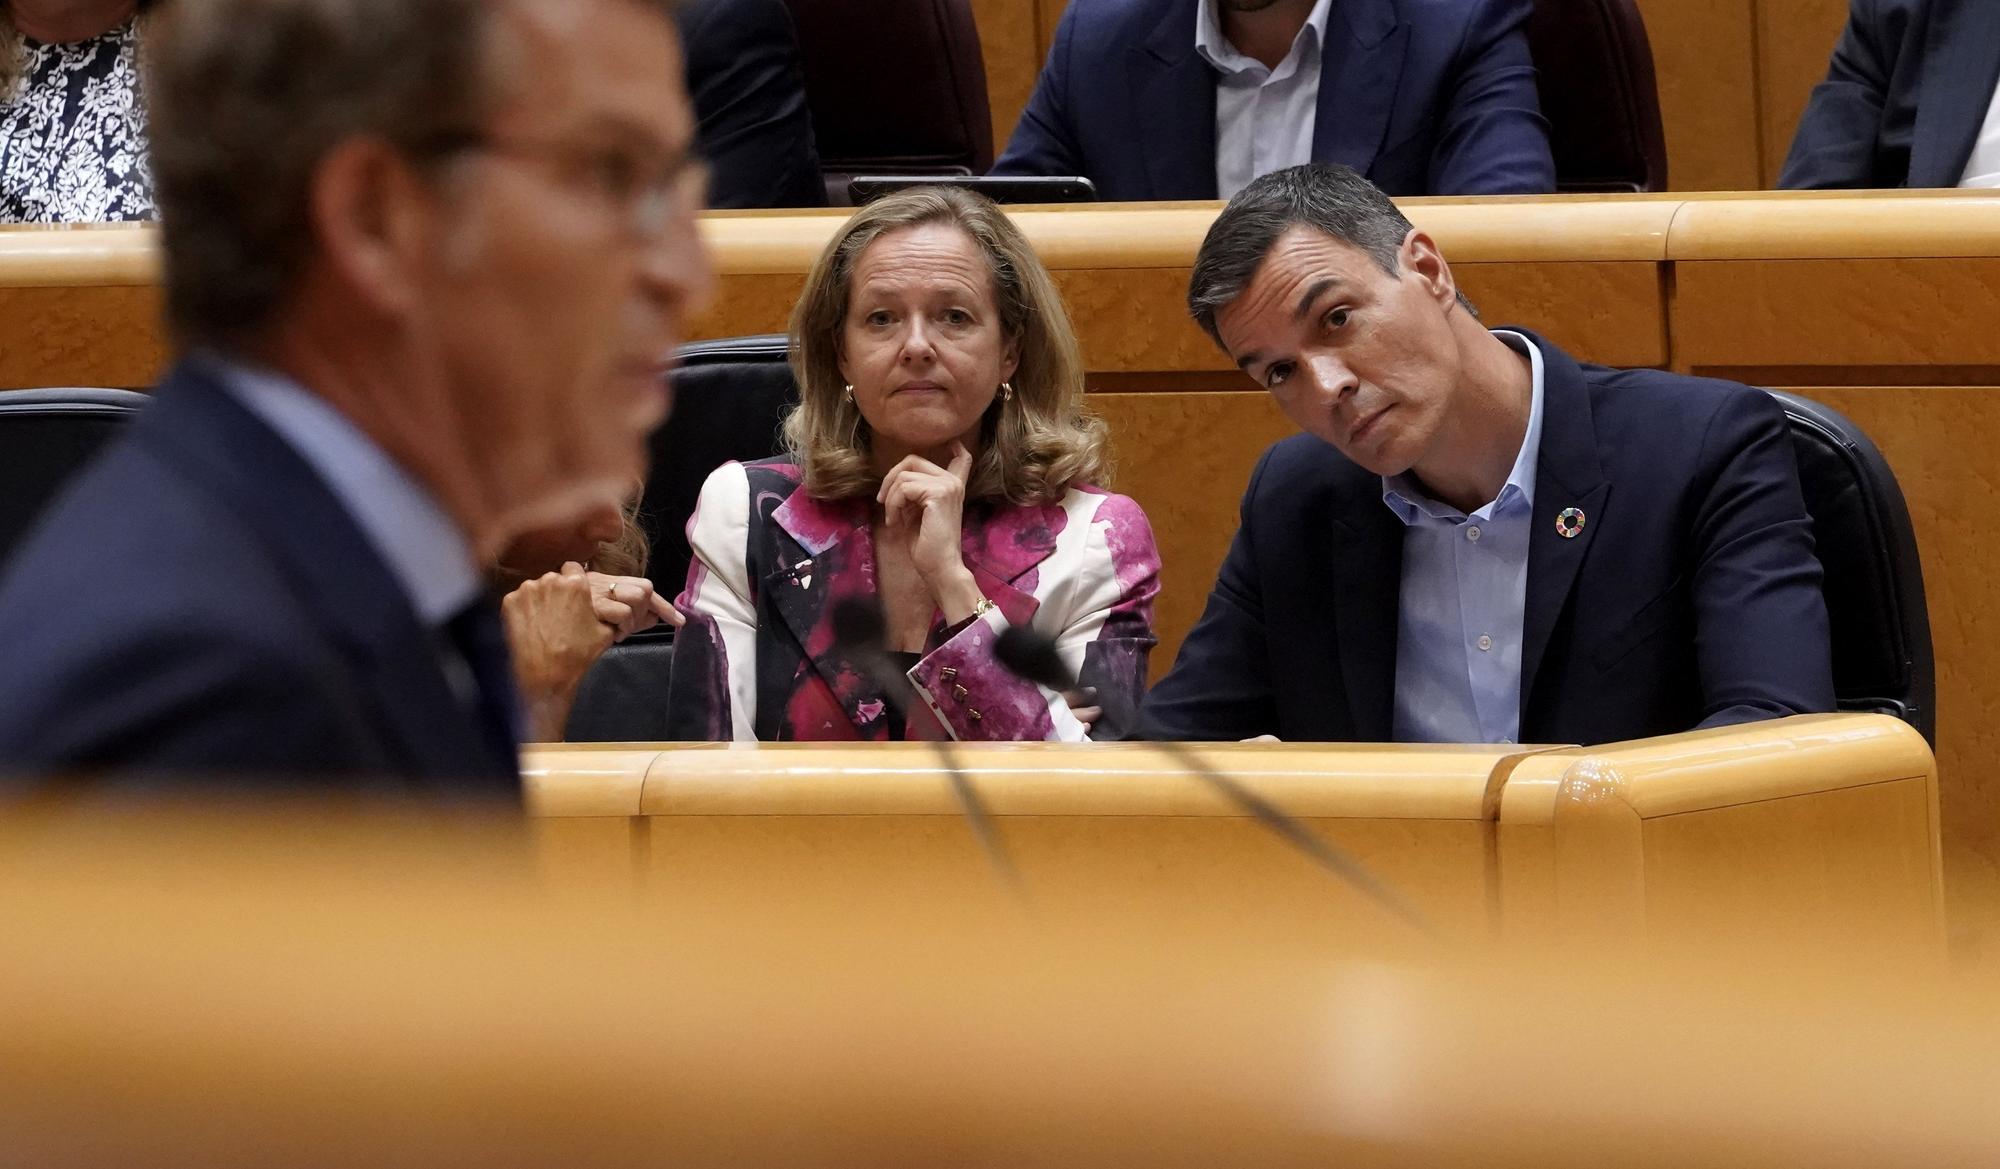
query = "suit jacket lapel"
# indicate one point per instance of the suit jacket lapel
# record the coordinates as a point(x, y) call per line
point(1567, 475)
point(361, 604)
point(824, 555)
point(1367, 578)
point(1360, 66)
point(1954, 95)
point(1002, 545)
point(1173, 92)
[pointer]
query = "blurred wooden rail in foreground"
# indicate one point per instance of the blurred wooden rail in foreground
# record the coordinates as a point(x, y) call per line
point(806, 978)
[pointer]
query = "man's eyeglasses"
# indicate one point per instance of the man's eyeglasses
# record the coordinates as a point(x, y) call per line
point(644, 188)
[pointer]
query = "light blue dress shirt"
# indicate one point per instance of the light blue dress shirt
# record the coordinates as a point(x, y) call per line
point(1465, 583)
point(422, 546)
point(1264, 117)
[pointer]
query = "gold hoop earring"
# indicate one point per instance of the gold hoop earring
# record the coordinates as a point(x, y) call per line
point(1006, 391)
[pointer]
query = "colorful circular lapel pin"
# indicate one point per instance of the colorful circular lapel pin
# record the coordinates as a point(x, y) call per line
point(1569, 523)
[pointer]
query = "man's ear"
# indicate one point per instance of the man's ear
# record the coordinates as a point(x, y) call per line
point(1420, 256)
point(373, 215)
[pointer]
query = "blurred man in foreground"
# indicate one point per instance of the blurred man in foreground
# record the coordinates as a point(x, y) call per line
point(422, 257)
point(1478, 539)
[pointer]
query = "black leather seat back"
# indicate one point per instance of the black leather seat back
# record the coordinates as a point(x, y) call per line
point(730, 396)
point(623, 699)
point(46, 436)
point(1594, 70)
point(1874, 580)
point(896, 87)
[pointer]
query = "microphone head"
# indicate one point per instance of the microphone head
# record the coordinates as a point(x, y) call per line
point(1032, 655)
point(858, 625)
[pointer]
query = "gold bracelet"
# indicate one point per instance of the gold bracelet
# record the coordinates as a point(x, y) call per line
point(984, 607)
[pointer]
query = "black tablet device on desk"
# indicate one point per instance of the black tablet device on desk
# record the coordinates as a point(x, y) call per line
point(863, 189)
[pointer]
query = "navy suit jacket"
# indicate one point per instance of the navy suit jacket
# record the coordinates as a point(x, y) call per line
point(1424, 97)
point(1690, 598)
point(199, 604)
point(1903, 99)
point(749, 92)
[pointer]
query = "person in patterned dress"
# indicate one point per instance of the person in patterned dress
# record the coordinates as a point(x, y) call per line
point(72, 113)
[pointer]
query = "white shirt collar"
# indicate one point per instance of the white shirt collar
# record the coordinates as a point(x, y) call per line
point(1215, 48)
point(424, 549)
point(1406, 497)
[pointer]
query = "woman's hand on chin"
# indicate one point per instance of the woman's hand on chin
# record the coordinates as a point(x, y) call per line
point(925, 504)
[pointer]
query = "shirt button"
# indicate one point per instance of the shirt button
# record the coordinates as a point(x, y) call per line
point(1472, 533)
point(1485, 642)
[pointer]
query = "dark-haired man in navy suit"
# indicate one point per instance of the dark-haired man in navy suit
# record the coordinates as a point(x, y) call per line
point(1911, 99)
point(1478, 539)
point(1191, 99)
point(426, 321)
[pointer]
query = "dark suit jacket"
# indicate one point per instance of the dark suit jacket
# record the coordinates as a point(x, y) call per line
point(1690, 598)
point(200, 604)
point(1424, 97)
point(750, 110)
point(1903, 99)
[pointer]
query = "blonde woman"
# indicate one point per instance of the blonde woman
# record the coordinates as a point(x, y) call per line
point(940, 462)
point(72, 114)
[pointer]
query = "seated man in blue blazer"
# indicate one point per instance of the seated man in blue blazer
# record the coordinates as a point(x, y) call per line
point(1908, 100)
point(1191, 99)
point(1478, 539)
point(427, 323)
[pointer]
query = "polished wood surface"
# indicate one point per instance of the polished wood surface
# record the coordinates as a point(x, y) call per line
point(1819, 828)
point(330, 986)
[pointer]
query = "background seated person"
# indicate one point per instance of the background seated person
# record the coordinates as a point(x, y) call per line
point(752, 123)
point(72, 120)
point(573, 592)
point(1191, 99)
point(1478, 539)
point(1908, 100)
point(940, 459)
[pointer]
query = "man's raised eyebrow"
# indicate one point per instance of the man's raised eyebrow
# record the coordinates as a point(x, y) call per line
point(1318, 289)
point(1248, 359)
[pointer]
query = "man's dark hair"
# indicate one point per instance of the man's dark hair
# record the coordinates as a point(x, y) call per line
point(245, 97)
point(1332, 199)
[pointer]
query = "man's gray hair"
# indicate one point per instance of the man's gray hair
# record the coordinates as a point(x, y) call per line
point(1332, 199)
point(247, 97)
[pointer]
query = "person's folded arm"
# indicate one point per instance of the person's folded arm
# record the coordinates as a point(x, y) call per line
point(1492, 138)
point(1835, 144)
point(1044, 138)
point(1761, 638)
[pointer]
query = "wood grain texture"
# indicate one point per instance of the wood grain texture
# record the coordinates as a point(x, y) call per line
point(83, 336)
point(1939, 441)
point(1704, 58)
point(1010, 44)
point(1919, 313)
point(1795, 40)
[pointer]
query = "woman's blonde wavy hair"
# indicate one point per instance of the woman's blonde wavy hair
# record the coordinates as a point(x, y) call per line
point(1033, 448)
